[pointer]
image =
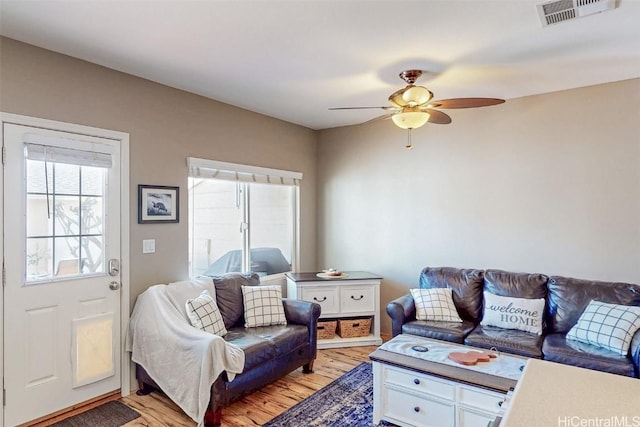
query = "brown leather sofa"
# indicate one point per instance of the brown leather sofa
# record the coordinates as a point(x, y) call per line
point(270, 351)
point(566, 299)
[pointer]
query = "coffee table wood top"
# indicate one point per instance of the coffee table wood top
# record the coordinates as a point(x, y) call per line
point(454, 373)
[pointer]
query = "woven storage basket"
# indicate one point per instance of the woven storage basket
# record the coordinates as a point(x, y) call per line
point(352, 328)
point(326, 329)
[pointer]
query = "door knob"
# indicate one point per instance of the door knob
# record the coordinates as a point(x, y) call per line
point(114, 286)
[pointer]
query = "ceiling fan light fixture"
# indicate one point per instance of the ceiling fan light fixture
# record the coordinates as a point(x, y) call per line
point(410, 119)
point(416, 95)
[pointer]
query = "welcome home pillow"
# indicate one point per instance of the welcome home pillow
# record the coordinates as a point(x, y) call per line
point(263, 306)
point(435, 304)
point(609, 326)
point(203, 314)
point(513, 313)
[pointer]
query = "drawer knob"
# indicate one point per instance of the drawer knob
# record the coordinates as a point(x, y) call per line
point(416, 409)
point(320, 300)
point(357, 299)
point(500, 403)
point(416, 381)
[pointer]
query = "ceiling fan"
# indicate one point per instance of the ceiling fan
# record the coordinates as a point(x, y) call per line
point(412, 106)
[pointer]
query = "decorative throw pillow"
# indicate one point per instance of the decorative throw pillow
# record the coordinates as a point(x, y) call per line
point(229, 295)
point(513, 313)
point(435, 304)
point(204, 314)
point(609, 326)
point(263, 306)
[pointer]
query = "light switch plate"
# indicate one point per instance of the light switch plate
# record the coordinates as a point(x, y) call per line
point(149, 246)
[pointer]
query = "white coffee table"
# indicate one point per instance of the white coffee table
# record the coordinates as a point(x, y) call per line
point(414, 388)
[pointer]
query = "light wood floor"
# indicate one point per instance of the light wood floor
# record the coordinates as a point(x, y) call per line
point(256, 409)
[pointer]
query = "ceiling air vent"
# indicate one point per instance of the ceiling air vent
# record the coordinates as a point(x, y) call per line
point(557, 11)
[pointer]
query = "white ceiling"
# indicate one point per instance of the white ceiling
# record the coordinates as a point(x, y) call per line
point(294, 59)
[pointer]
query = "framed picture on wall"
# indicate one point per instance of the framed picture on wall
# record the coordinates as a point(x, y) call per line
point(157, 203)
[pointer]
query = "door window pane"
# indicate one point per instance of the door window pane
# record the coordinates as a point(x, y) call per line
point(91, 180)
point(64, 229)
point(67, 215)
point(67, 178)
point(92, 209)
point(67, 255)
point(38, 223)
point(39, 258)
point(36, 173)
point(92, 254)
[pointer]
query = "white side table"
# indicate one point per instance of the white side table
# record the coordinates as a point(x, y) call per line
point(357, 294)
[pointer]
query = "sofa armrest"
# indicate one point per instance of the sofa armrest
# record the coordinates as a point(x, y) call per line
point(401, 310)
point(635, 351)
point(300, 312)
point(303, 313)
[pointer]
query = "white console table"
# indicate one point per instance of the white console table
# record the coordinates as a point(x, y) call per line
point(357, 294)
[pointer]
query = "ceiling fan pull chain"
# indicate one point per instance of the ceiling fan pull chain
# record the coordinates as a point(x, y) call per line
point(408, 146)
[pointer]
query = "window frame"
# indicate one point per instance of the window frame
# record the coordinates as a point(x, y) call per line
point(54, 151)
point(244, 176)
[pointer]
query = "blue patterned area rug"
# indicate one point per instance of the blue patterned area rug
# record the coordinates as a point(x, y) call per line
point(346, 402)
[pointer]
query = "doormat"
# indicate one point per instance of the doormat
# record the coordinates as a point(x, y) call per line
point(111, 414)
point(346, 402)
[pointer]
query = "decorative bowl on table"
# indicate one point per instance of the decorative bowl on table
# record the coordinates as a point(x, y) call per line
point(331, 273)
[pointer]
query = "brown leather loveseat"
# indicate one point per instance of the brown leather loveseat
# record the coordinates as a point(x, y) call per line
point(270, 352)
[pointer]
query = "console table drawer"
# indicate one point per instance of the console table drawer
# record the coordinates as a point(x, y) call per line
point(357, 299)
point(327, 297)
point(417, 411)
point(420, 383)
point(484, 400)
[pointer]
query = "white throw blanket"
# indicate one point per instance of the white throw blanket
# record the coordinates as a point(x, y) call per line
point(184, 361)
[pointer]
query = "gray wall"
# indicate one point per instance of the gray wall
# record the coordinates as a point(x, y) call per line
point(166, 126)
point(547, 183)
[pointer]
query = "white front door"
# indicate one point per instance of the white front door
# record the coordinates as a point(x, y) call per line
point(62, 343)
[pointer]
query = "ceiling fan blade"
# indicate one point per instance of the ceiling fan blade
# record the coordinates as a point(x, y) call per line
point(437, 117)
point(382, 117)
point(388, 107)
point(465, 102)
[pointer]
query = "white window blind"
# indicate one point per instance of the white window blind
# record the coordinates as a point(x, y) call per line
point(203, 168)
point(70, 156)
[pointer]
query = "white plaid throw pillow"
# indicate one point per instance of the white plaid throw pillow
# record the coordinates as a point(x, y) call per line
point(204, 314)
point(263, 306)
point(435, 304)
point(609, 326)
